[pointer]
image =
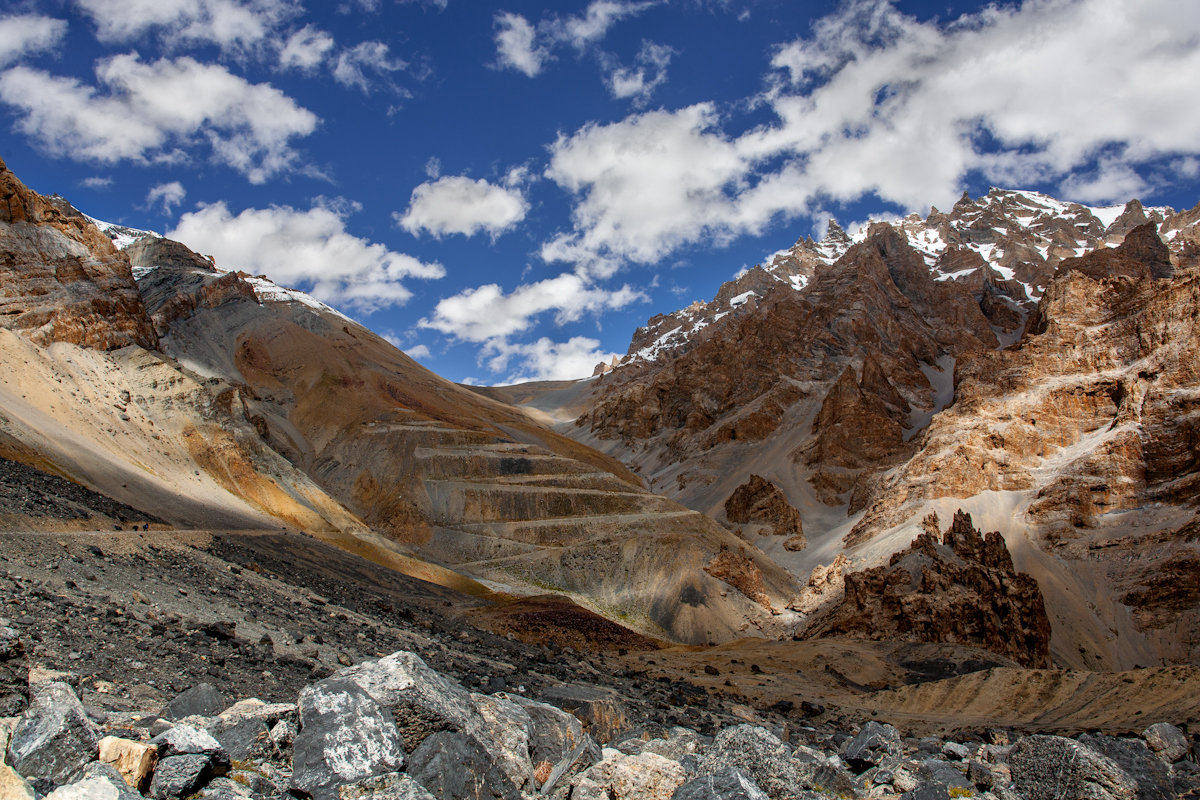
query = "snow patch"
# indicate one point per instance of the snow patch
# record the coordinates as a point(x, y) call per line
point(121, 235)
point(1106, 214)
point(271, 292)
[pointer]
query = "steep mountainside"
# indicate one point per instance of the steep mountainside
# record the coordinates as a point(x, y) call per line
point(63, 280)
point(1021, 358)
point(246, 405)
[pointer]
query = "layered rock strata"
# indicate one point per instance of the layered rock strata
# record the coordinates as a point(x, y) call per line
point(63, 280)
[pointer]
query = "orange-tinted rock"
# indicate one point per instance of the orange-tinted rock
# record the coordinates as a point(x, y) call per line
point(61, 279)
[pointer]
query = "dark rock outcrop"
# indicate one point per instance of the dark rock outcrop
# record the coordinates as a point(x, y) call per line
point(760, 501)
point(961, 589)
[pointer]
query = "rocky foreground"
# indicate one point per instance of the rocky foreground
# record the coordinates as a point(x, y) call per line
point(394, 727)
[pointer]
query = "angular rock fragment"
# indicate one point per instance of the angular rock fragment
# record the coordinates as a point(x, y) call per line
point(133, 760)
point(452, 766)
point(1167, 741)
point(642, 777)
point(874, 742)
point(54, 739)
point(1053, 767)
point(601, 711)
point(202, 700)
point(727, 784)
point(421, 701)
point(345, 736)
point(181, 775)
point(1148, 771)
point(759, 754)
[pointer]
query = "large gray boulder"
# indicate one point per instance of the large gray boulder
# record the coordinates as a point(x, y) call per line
point(1054, 767)
point(185, 740)
point(760, 755)
point(453, 766)
point(602, 711)
point(54, 739)
point(1167, 741)
point(508, 735)
point(558, 783)
point(875, 742)
point(555, 733)
point(728, 784)
point(345, 736)
point(180, 775)
point(188, 758)
point(421, 701)
point(202, 700)
point(1147, 770)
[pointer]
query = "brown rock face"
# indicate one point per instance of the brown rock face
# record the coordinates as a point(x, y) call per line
point(962, 589)
point(1141, 255)
point(61, 280)
point(767, 373)
point(760, 501)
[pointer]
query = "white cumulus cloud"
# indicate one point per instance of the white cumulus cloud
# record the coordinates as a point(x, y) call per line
point(515, 48)
point(649, 72)
point(526, 48)
point(486, 313)
point(875, 102)
point(547, 360)
point(309, 249)
point(648, 184)
point(457, 204)
point(232, 25)
point(305, 49)
point(593, 25)
point(166, 195)
point(153, 111)
point(353, 64)
point(28, 33)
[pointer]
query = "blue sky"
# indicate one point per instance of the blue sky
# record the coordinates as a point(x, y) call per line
point(508, 190)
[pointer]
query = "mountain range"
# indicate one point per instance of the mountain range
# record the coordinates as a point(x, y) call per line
point(806, 456)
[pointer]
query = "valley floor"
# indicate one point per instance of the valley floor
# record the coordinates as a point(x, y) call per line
point(137, 616)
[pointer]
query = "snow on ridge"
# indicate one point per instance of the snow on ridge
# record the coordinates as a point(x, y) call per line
point(1028, 224)
point(270, 292)
point(122, 235)
point(1106, 214)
